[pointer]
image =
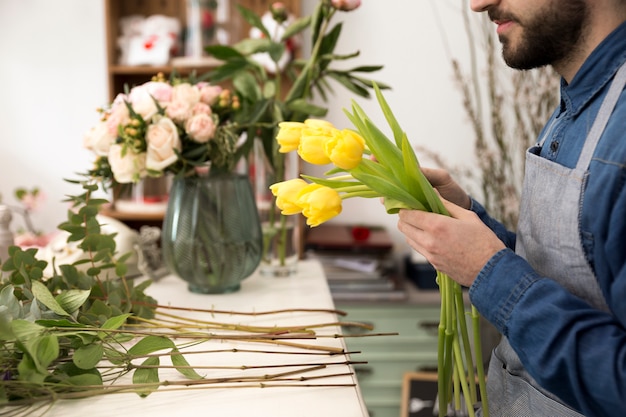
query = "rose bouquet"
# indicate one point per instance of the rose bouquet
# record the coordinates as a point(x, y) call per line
point(163, 126)
point(370, 165)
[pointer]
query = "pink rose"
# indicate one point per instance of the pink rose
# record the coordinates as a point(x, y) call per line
point(129, 167)
point(118, 115)
point(210, 93)
point(142, 97)
point(163, 142)
point(179, 111)
point(345, 5)
point(201, 127)
point(201, 108)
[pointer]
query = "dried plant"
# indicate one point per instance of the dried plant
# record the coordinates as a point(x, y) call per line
point(506, 109)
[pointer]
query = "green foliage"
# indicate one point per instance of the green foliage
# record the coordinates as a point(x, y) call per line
point(55, 328)
point(263, 104)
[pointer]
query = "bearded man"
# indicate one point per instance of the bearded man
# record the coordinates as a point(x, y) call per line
point(555, 289)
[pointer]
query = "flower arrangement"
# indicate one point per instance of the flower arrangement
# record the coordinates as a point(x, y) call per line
point(174, 125)
point(368, 164)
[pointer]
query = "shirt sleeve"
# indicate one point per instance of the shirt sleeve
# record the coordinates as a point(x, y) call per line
point(498, 228)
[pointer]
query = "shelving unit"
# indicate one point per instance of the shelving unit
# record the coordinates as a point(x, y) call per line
point(121, 75)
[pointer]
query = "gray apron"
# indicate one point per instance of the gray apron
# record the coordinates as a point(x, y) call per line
point(548, 238)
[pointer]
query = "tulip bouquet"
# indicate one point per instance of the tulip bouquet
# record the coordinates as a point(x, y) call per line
point(171, 125)
point(367, 164)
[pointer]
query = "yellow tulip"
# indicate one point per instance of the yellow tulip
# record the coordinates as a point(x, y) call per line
point(345, 149)
point(312, 146)
point(288, 136)
point(319, 203)
point(286, 194)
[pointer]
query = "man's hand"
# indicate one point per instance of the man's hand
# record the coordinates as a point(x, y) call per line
point(447, 187)
point(459, 245)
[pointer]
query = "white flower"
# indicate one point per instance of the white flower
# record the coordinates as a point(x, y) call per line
point(129, 167)
point(163, 141)
point(142, 98)
point(99, 139)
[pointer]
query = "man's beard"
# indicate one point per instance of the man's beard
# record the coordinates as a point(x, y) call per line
point(548, 37)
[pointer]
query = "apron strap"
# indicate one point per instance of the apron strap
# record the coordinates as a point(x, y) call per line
point(606, 109)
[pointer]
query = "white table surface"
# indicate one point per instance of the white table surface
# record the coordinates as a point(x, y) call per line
point(307, 290)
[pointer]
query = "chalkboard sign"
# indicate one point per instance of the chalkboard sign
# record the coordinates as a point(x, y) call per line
point(419, 396)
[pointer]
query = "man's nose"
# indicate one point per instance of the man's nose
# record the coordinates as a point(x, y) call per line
point(482, 5)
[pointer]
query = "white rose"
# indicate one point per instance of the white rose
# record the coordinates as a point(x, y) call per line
point(162, 140)
point(186, 93)
point(99, 139)
point(201, 127)
point(129, 167)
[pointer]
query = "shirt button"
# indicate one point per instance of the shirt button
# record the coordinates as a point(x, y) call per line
point(554, 146)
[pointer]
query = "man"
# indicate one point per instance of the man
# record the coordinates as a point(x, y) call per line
point(556, 289)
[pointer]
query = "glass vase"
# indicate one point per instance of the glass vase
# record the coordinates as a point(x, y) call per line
point(281, 234)
point(211, 234)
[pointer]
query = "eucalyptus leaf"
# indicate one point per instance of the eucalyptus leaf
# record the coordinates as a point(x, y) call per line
point(12, 308)
point(88, 356)
point(43, 295)
point(72, 300)
point(182, 366)
point(147, 377)
point(86, 379)
point(150, 344)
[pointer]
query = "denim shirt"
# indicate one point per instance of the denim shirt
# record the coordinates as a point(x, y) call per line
point(575, 351)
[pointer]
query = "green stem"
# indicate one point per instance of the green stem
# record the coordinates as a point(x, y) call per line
point(479, 362)
point(282, 243)
point(469, 363)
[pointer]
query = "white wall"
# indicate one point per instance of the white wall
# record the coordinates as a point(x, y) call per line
point(53, 77)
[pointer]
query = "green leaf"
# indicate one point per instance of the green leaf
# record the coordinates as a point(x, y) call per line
point(252, 46)
point(86, 379)
point(181, 364)
point(147, 376)
point(223, 52)
point(58, 323)
point(391, 119)
point(302, 106)
point(44, 296)
point(347, 82)
point(88, 356)
point(72, 300)
point(253, 19)
point(246, 85)
point(296, 27)
point(150, 344)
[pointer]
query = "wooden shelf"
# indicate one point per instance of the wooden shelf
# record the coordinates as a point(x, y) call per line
point(119, 76)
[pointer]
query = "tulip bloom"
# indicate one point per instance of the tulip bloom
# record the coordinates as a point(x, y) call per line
point(287, 193)
point(289, 135)
point(345, 149)
point(312, 146)
point(318, 203)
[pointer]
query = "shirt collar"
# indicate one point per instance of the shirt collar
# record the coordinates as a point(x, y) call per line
point(599, 68)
